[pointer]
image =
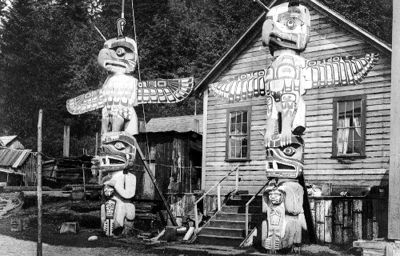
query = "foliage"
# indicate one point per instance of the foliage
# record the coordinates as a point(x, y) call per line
point(49, 54)
point(373, 15)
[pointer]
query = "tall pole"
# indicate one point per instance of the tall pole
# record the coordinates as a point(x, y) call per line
point(39, 183)
point(394, 168)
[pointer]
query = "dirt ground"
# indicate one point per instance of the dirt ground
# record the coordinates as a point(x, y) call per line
point(86, 213)
point(54, 214)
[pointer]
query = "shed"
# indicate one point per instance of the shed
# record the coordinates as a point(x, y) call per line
point(172, 145)
point(17, 167)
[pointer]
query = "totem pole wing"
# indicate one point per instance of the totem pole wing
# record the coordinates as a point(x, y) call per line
point(164, 90)
point(86, 102)
point(243, 86)
point(337, 71)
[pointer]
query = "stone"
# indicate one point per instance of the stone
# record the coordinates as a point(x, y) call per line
point(93, 238)
point(69, 227)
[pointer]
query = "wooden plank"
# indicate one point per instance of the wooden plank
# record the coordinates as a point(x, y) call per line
point(338, 222)
point(347, 222)
point(320, 220)
point(394, 171)
point(357, 219)
point(328, 221)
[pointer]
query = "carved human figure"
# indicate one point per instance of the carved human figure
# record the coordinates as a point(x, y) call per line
point(283, 206)
point(118, 212)
point(286, 32)
point(116, 159)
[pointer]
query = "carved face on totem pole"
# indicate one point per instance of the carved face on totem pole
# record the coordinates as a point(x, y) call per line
point(117, 154)
point(121, 91)
point(287, 27)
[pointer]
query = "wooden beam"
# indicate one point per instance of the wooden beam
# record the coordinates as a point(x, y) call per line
point(394, 168)
point(39, 183)
point(66, 141)
point(204, 141)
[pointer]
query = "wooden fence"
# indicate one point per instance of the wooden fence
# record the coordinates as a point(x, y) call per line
point(341, 220)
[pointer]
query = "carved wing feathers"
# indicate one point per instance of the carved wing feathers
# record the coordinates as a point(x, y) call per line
point(245, 86)
point(338, 71)
point(86, 102)
point(164, 91)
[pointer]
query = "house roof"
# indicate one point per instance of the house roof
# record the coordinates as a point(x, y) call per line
point(191, 123)
point(253, 31)
point(5, 140)
point(13, 158)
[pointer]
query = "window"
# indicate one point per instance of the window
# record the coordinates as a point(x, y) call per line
point(349, 126)
point(238, 135)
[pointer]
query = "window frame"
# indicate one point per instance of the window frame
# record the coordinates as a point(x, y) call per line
point(337, 100)
point(248, 135)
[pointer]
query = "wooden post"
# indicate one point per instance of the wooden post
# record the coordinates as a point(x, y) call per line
point(219, 197)
point(39, 183)
point(394, 168)
point(97, 144)
point(84, 182)
point(204, 141)
point(66, 141)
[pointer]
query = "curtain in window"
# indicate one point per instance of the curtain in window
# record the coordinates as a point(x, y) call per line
point(357, 125)
point(343, 135)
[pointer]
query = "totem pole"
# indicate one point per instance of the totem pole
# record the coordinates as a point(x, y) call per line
point(120, 93)
point(286, 32)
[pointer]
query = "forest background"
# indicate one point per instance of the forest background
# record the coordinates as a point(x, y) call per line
point(48, 54)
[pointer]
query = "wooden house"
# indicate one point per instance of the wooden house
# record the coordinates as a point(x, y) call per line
point(353, 164)
point(17, 167)
point(172, 146)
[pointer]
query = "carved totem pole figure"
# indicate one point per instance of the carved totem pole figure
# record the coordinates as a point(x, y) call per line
point(286, 33)
point(117, 155)
point(120, 93)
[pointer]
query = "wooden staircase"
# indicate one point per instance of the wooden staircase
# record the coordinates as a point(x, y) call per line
point(227, 227)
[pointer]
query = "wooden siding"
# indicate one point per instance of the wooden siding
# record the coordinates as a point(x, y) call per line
point(169, 155)
point(327, 39)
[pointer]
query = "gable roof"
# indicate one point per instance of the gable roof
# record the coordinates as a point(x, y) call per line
point(5, 140)
point(255, 29)
point(190, 123)
point(13, 158)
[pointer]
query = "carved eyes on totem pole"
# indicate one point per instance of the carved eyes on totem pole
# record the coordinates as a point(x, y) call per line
point(119, 55)
point(287, 26)
point(275, 196)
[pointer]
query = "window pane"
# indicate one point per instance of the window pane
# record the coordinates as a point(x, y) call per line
point(341, 111)
point(237, 137)
point(349, 137)
point(349, 109)
point(244, 128)
point(239, 117)
point(357, 108)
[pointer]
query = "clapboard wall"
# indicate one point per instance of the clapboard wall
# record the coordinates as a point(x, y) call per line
point(328, 38)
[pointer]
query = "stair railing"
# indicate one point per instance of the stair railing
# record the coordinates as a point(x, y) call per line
point(247, 209)
point(218, 185)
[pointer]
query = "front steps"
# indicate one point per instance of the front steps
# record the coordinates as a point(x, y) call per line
point(227, 227)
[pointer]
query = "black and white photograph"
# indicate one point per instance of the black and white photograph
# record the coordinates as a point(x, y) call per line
point(199, 127)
